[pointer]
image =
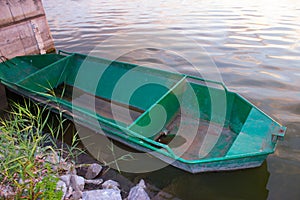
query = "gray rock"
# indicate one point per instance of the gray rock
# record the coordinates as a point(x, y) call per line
point(110, 184)
point(69, 192)
point(66, 179)
point(70, 169)
point(93, 171)
point(6, 192)
point(76, 195)
point(104, 194)
point(94, 182)
point(138, 192)
point(77, 182)
point(21, 182)
point(164, 195)
point(60, 185)
point(52, 158)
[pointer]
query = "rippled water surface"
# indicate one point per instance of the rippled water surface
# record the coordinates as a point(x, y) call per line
point(252, 45)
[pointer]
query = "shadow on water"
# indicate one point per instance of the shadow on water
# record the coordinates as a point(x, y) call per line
point(241, 184)
point(172, 183)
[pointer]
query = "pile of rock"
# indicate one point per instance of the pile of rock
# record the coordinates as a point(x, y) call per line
point(73, 186)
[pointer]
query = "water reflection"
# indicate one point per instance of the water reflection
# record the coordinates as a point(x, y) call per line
point(242, 184)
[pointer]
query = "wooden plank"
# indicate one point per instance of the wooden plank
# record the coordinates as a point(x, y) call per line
point(23, 28)
point(20, 39)
point(32, 8)
point(45, 33)
point(10, 42)
point(16, 10)
point(20, 10)
point(5, 14)
point(36, 28)
point(28, 39)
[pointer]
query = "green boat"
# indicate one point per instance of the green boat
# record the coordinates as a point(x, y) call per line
point(194, 124)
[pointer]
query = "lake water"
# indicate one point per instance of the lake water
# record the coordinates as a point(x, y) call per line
point(252, 45)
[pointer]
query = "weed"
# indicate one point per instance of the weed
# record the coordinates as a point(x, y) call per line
point(23, 167)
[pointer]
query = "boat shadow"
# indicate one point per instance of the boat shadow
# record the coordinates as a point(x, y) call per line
point(177, 184)
point(173, 183)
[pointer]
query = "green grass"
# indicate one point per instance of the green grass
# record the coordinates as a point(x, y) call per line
point(23, 167)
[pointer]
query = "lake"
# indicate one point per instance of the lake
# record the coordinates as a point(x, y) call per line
point(251, 45)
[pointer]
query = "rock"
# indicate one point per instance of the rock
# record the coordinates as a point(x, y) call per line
point(6, 192)
point(52, 158)
point(93, 171)
point(138, 192)
point(21, 182)
point(125, 183)
point(77, 182)
point(152, 191)
point(59, 163)
point(69, 192)
point(104, 194)
point(71, 169)
point(76, 195)
point(60, 185)
point(94, 182)
point(163, 195)
point(68, 167)
point(66, 179)
point(110, 184)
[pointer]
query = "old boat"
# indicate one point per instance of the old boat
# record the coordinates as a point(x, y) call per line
point(150, 109)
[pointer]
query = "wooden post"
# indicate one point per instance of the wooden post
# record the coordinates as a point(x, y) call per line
point(24, 28)
point(3, 99)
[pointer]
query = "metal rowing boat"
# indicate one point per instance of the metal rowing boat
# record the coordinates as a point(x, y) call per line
point(194, 124)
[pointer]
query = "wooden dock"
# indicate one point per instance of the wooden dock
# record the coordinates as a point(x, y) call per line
point(24, 30)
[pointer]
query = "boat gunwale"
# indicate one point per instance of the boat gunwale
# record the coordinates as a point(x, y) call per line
point(153, 69)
